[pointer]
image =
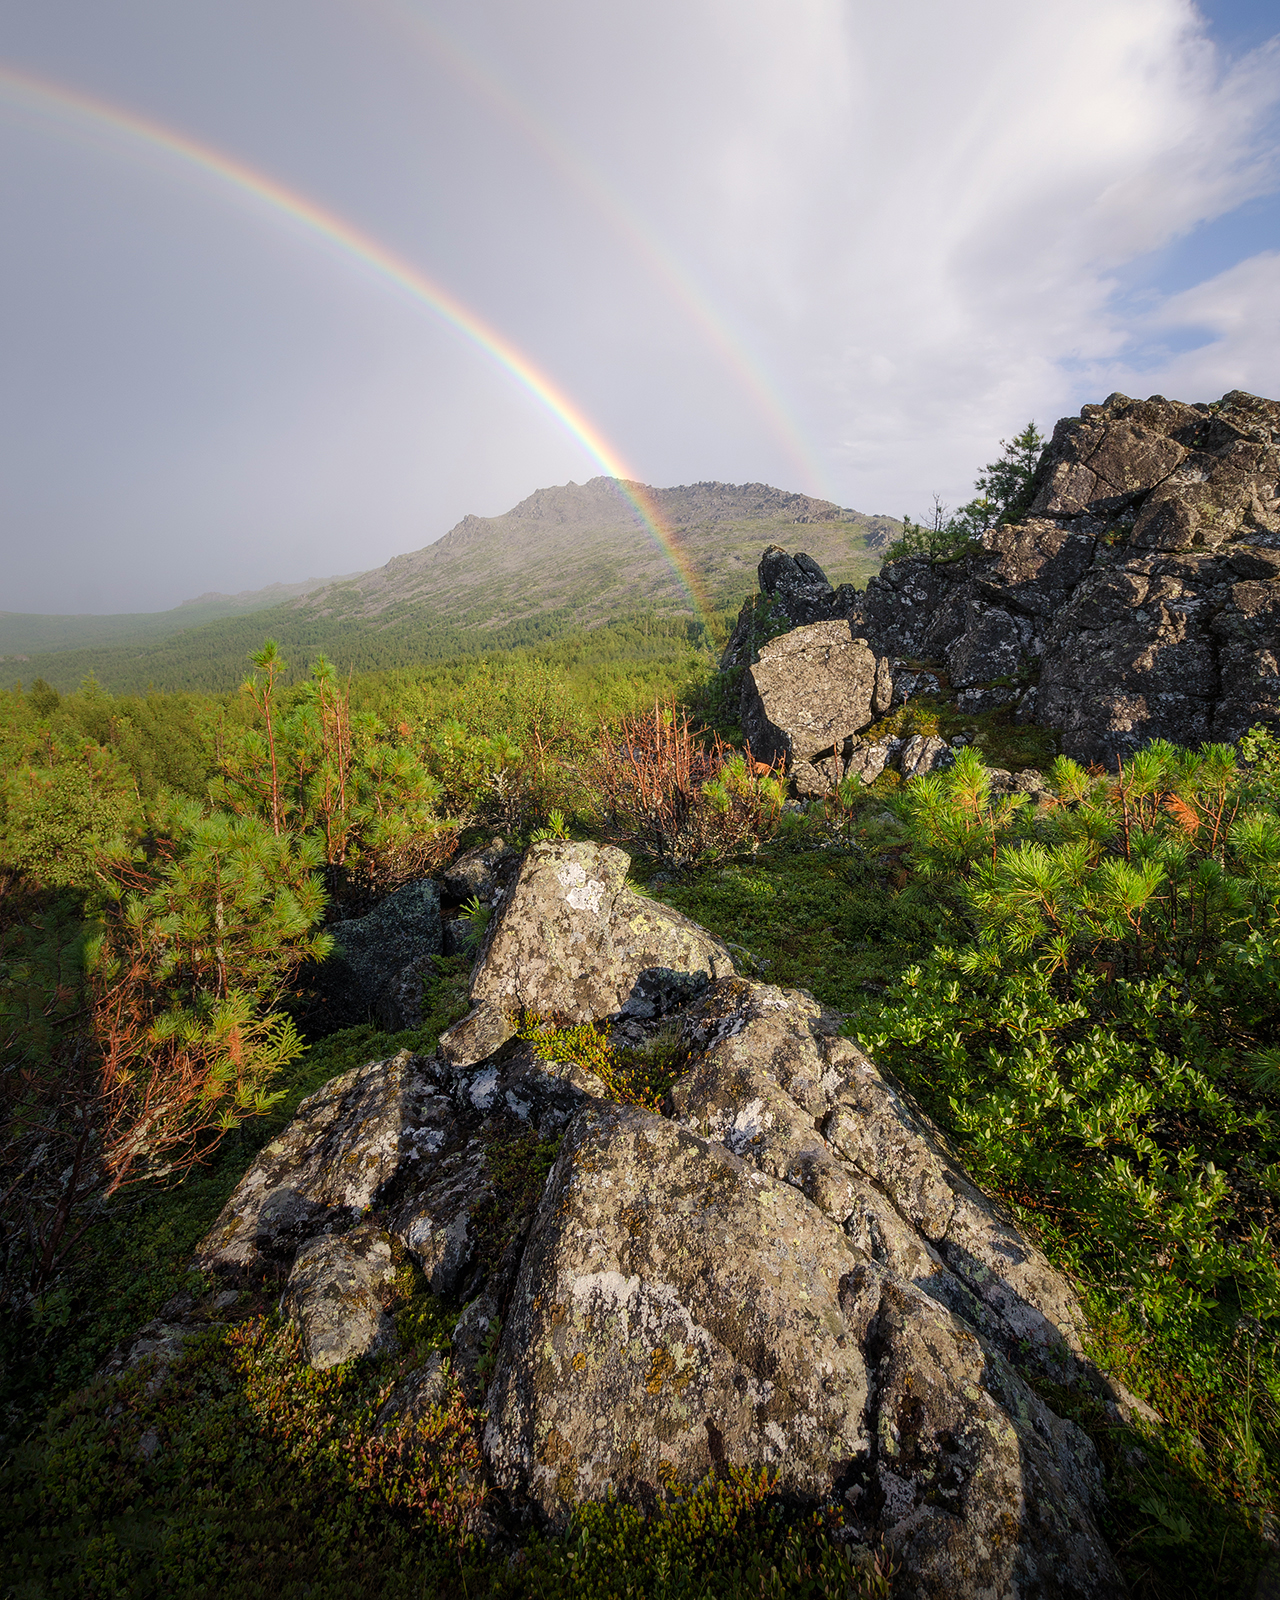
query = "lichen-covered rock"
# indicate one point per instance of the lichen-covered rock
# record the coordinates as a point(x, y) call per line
point(810, 692)
point(976, 1487)
point(788, 1270)
point(347, 1141)
point(334, 1296)
point(573, 942)
point(679, 1311)
point(675, 1310)
point(383, 959)
point(794, 592)
point(773, 1082)
point(417, 1394)
point(924, 753)
point(436, 1219)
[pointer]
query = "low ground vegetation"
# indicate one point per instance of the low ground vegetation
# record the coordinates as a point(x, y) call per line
point(1081, 990)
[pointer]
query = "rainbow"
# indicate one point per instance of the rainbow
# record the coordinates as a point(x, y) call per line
point(37, 94)
point(579, 172)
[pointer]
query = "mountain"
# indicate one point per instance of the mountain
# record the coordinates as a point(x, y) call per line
point(584, 547)
point(571, 556)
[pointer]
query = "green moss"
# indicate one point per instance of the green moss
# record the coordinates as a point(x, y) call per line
point(640, 1076)
point(827, 920)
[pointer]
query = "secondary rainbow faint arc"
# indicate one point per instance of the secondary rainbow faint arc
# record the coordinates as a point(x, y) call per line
point(581, 174)
point(370, 253)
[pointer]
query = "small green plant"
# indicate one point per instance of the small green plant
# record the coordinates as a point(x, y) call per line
point(556, 828)
point(475, 916)
point(639, 1077)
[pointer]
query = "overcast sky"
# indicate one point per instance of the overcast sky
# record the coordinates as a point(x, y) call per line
point(838, 247)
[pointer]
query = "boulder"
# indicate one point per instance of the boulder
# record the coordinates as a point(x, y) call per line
point(383, 959)
point(334, 1296)
point(346, 1143)
point(573, 942)
point(975, 1486)
point(810, 693)
point(676, 1311)
point(480, 873)
point(794, 591)
point(797, 585)
point(789, 1269)
point(924, 753)
point(772, 1080)
point(679, 1312)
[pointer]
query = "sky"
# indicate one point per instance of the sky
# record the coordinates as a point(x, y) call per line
point(287, 287)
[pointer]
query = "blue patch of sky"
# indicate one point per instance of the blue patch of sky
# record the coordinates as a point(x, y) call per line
point(1238, 26)
point(1216, 245)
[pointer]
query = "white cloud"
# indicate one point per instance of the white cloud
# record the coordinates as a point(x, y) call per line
point(915, 220)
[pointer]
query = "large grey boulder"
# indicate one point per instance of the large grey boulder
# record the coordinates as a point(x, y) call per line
point(383, 959)
point(676, 1311)
point(811, 691)
point(575, 943)
point(787, 1270)
point(773, 1081)
point(679, 1312)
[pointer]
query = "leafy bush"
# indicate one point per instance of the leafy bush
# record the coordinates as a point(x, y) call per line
point(1102, 1046)
point(680, 798)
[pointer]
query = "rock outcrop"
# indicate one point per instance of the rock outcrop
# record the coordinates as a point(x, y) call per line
point(1137, 598)
point(788, 1269)
point(794, 592)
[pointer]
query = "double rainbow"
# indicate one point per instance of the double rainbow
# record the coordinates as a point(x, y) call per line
point(53, 100)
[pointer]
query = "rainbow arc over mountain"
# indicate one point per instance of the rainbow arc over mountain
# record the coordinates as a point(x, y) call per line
point(87, 112)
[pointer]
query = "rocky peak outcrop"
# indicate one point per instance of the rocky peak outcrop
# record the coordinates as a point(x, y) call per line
point(787, 1269)
point(793, 592)
point(1137, 598)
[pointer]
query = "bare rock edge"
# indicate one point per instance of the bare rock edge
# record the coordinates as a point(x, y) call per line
point(788, 1270)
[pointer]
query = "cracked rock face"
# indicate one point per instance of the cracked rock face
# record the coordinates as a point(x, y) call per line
point(1142, 588)
point(1138, 598)
point(575, 943)
point(788, 1270)
point(346, 1143)
point(676, 1310)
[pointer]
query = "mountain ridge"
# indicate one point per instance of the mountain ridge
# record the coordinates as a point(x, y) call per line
point(570, 555)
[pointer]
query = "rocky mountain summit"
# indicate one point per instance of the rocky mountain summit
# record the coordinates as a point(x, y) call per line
point(1137, 597)
point(782, 1267)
